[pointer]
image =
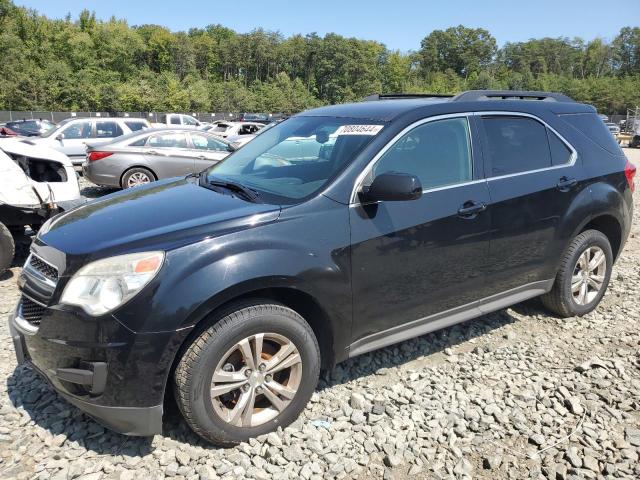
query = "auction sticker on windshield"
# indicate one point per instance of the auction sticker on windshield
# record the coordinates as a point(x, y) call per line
point(359, 130)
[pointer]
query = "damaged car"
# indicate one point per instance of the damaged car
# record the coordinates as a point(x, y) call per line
point(36, 183)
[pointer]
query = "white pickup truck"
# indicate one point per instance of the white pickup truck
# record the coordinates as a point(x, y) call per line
point(173, 119)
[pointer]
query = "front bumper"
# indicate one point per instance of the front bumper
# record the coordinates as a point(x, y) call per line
point(122, 399)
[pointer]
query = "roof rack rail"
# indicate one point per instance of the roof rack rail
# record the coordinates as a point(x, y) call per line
point(399, 96)
point(476, 95)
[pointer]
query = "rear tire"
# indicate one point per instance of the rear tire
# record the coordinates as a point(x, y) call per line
point(580, 284)
point(7, 248)
point(251, 372)
point(137, 176)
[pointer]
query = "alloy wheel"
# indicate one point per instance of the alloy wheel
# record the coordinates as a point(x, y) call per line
point(138, 178)
point(256, 379)
point(588, 275)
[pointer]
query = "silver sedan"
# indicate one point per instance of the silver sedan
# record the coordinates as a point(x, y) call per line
point(150, 155)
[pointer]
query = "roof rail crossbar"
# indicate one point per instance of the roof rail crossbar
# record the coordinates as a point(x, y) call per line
point(476, 95)
point(398, 96)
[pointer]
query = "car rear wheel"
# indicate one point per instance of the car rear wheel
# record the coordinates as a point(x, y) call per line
point(583, 277)
point(7, 248)
point(136, 177)
point(251, 372)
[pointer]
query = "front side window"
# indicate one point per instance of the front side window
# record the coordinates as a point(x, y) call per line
point(187, 120)
point(108, 130)
point(296, 158)
point(515, 144)
point(204, 142)
point(168, 140)
point(437, 152)
point(78, 130)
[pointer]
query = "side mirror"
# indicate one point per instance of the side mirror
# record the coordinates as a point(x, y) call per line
point(60, 137)
point(392, 186)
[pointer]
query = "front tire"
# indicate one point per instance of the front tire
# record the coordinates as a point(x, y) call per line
point(7, 248)
point(251, 372)
point(583, 277)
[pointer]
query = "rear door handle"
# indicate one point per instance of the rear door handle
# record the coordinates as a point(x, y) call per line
point(565, 184)
point(471, 208)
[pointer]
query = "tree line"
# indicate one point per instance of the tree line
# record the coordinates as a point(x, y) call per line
point(86, 64)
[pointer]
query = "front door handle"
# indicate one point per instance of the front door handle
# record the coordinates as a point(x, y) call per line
point(565, 184)
point(471, 208)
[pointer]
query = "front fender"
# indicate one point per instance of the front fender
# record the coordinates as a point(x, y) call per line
point(308, 253)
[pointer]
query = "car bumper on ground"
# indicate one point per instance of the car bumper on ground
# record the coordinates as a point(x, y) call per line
point(93, 386)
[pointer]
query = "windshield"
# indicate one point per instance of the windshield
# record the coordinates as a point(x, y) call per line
point(57, 128)
point(297, 157)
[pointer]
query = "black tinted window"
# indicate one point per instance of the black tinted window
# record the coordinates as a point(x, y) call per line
point(560, 153)
point(593, 127)
point(108, 130)
point(175, 120)
point(515, 144)
point(438, 153)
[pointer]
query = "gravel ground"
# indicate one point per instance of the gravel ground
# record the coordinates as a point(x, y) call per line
point(514, 394)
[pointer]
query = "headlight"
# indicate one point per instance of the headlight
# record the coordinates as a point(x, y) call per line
point(106, 284)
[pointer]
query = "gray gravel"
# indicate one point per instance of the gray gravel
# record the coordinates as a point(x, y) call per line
point(514, 394)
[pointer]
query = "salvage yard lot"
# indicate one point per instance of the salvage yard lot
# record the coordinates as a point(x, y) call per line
point(495, 397)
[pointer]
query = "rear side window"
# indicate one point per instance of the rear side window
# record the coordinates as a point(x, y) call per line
point(168, 140)
point(175, 120)
point(438, 153)
point(108, 130)
point(592, 126)
point(515, 144)
point(135, 126)
point(560, 153)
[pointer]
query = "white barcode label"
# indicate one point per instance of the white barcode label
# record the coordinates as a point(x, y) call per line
point(358, 129)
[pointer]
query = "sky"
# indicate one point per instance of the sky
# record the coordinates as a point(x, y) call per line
point(399, 24)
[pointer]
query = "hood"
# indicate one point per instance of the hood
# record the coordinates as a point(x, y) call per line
point(161, 215)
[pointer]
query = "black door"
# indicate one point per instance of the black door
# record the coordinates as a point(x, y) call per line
point(533, 178)
point(413, 259)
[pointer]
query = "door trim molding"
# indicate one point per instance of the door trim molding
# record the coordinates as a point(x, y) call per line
point(437, 321)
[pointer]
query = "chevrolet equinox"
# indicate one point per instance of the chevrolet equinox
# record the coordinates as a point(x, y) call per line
point(339, 231)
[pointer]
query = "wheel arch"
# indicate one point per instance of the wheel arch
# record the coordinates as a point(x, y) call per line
point(305, 304)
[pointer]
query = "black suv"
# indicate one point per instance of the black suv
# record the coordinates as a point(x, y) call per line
point(339, 231)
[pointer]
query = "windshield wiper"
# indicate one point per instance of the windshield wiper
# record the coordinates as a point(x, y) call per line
point(246, 192)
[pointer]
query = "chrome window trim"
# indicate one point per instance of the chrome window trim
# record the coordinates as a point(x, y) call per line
point(358, 183)
point(353, 200)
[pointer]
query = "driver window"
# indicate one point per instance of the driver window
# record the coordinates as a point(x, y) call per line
point(438, 153)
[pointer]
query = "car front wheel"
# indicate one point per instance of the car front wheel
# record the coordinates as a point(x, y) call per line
point(251, 372)
point(583, 276)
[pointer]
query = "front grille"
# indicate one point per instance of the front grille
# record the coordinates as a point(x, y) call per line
point(44, 268)
point(31, 311)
